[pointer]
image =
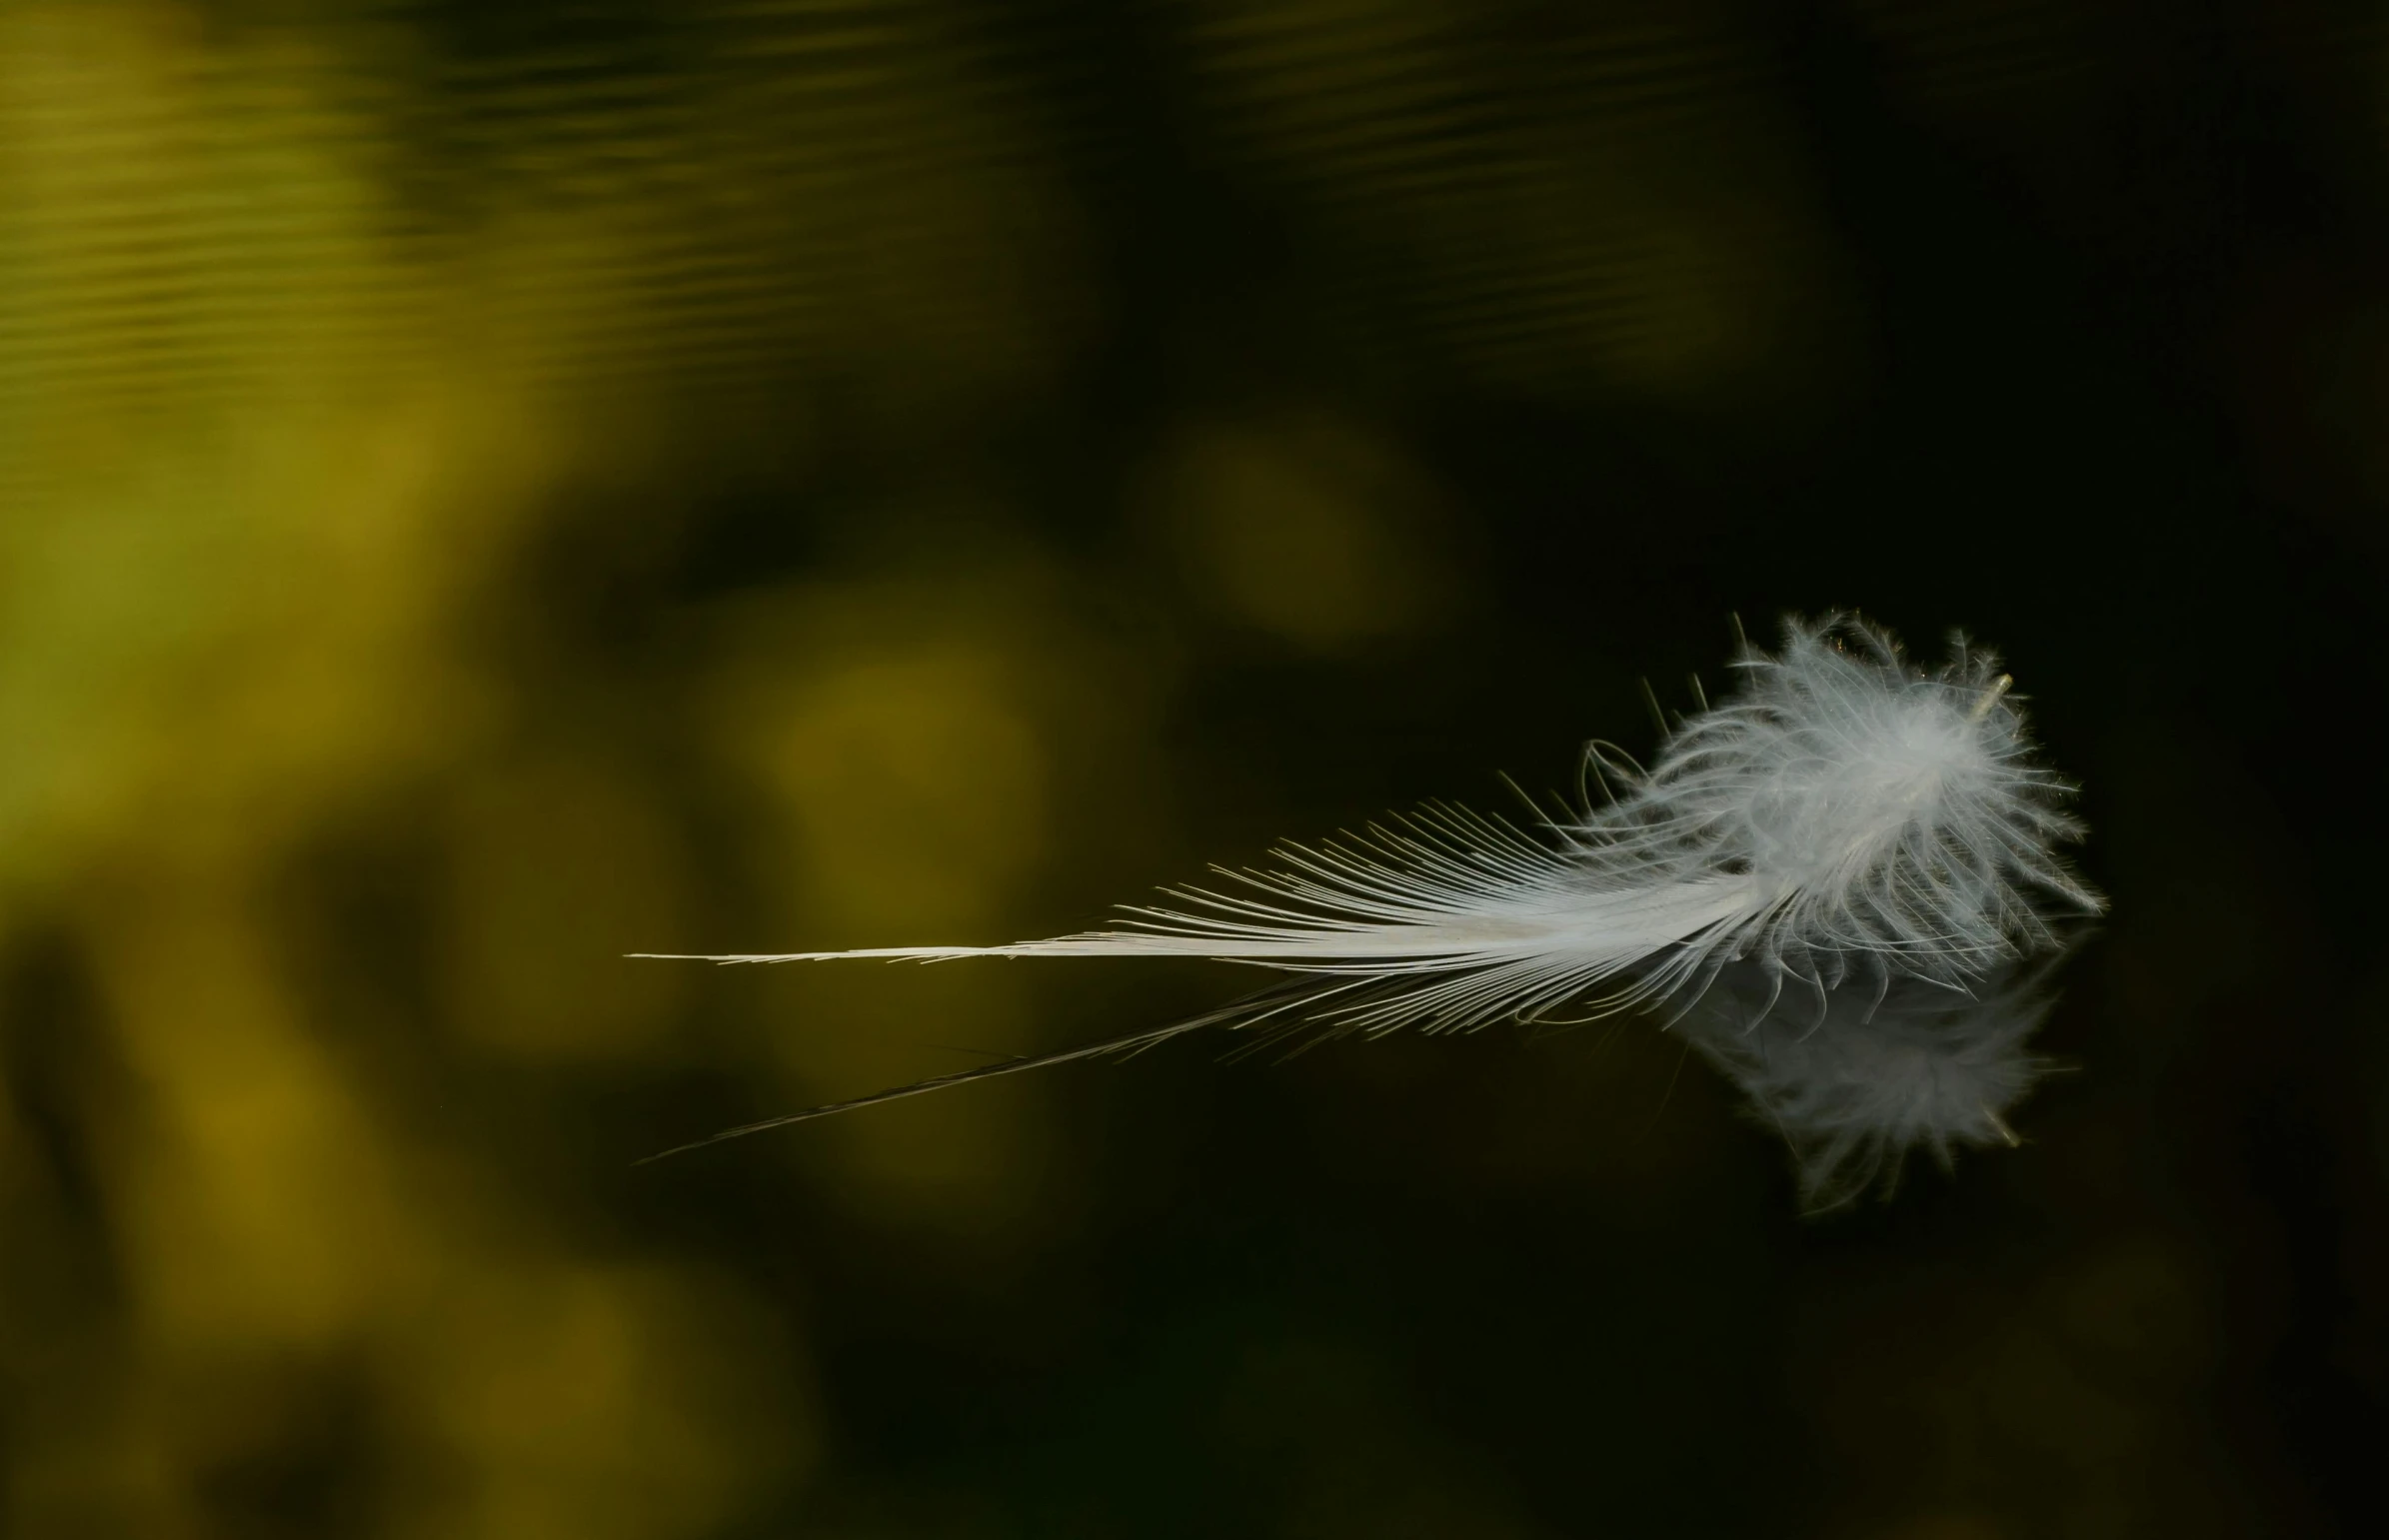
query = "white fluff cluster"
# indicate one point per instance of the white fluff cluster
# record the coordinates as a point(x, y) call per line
point(1875, 835)
point(1881, 816)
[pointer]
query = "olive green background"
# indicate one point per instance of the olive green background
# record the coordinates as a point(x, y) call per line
point(485, 489)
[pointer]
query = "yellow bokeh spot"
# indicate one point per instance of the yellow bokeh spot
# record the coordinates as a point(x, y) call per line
point(1306, 527)
point(914, 786)
point(558, 869)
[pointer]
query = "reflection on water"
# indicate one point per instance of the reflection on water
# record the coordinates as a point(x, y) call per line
point(1859, 1076)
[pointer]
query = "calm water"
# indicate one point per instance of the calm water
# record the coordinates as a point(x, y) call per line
point(480, 497)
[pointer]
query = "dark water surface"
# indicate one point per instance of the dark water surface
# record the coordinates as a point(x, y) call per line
point(484, 490)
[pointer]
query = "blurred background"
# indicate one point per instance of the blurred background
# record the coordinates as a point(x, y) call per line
point(488, 487)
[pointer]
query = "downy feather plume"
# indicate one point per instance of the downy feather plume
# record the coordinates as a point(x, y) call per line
point(1876, 838)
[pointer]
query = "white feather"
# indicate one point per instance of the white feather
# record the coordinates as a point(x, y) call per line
point(1843, 813)
point(1843, 810)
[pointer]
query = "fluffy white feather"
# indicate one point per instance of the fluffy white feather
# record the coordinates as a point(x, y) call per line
point(1844, 815)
